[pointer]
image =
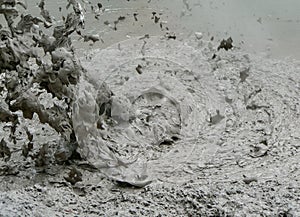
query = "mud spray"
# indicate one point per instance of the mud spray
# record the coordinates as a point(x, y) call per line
point(169, 127)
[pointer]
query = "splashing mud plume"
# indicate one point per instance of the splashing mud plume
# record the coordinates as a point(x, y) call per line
point(148, 126)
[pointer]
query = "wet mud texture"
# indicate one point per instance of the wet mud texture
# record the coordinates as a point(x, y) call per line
point(216, 136)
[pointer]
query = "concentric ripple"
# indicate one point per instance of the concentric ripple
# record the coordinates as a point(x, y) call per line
point(168, 97)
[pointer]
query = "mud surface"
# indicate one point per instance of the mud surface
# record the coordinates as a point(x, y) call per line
point(212, 133)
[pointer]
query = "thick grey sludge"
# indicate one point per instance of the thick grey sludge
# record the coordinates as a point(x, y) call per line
point(184, 111)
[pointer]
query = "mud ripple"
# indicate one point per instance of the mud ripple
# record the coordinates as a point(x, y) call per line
point(171, 99)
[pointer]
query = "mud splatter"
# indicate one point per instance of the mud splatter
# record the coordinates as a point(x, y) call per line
point(201, 136)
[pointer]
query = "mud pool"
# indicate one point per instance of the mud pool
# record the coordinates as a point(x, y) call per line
point(206, 132)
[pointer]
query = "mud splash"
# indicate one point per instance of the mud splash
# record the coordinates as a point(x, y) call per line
point(225, 106)
point(215, 131)
point(221, 134)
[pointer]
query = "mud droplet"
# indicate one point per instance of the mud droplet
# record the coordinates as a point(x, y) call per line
point(92, 38)
point(74, 176)
point(259, 150)
point(135, 16)
point(139, 69)
point(244, 74)
point(248, 180)
point(216, 118)
point(226, 44)
point(198, 35)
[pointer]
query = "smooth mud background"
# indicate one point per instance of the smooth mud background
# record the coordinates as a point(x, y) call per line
point(216, 131)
